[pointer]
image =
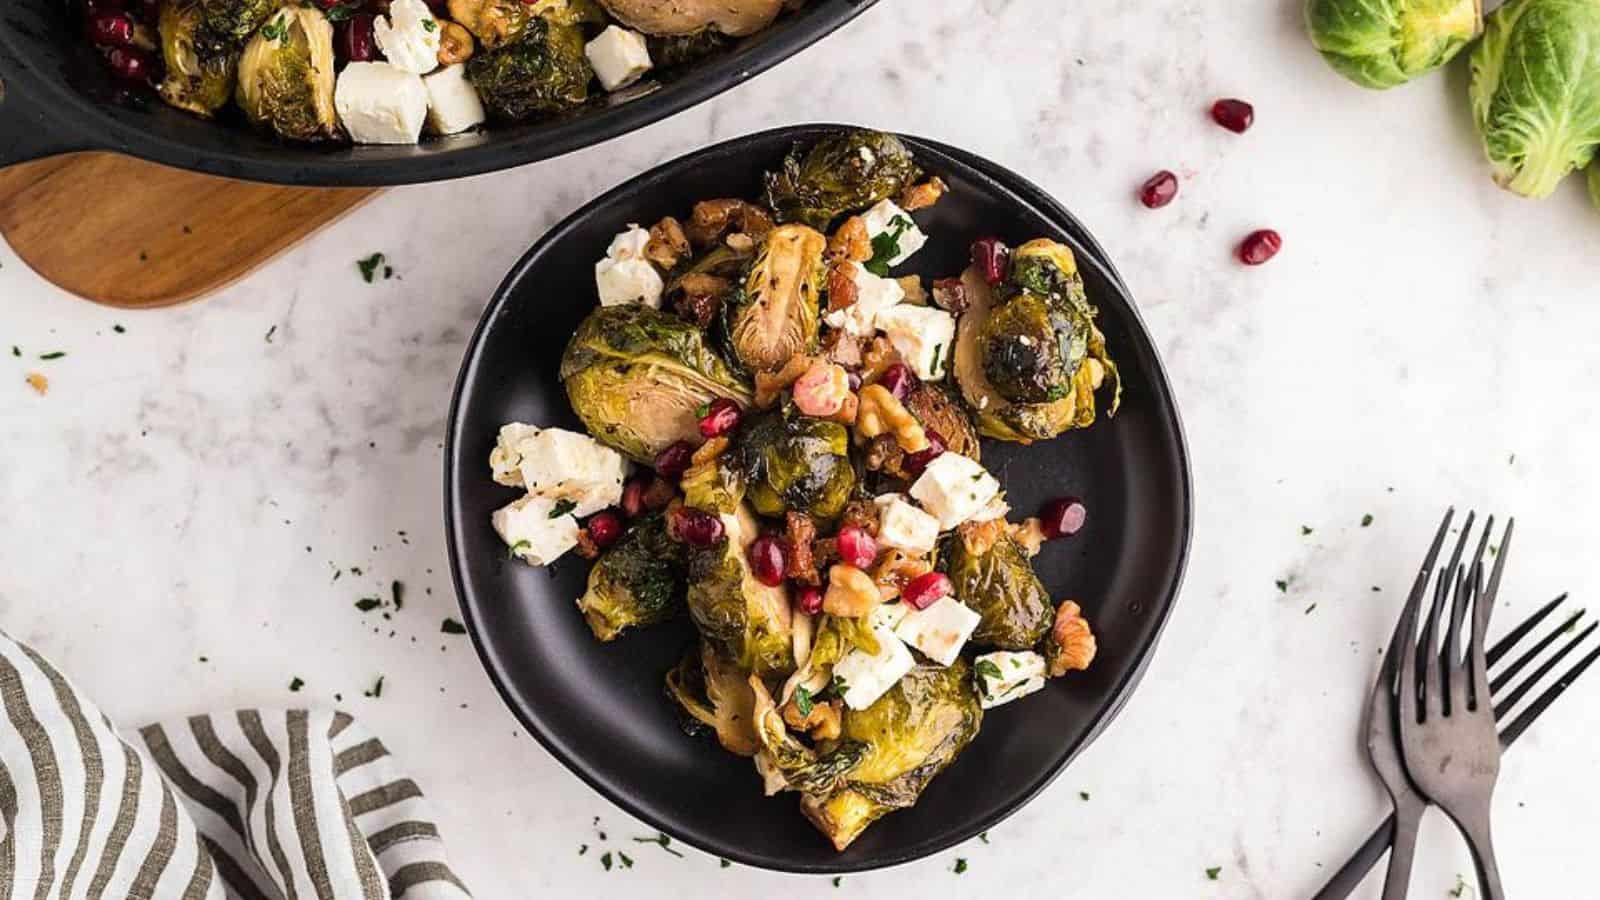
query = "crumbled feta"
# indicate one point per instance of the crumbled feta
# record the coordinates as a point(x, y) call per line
point(954, 488)
point(940, 630)
point(379, 103)
point(409, 36)
point(534, 530)
point(625, 276)
point(453, 103)
point(873, 296)
point(619, 57)
point(505, 460)
point(997, 508)
point(924, 335)
point(1003, 676)
point(887, 615)
point(564, 465)
point(903, 526)
point(864, 677)
point(888, 217)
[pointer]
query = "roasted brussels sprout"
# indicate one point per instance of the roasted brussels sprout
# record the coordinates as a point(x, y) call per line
point(200, 77)
point(542, 72)
point(846, 172)
point(747, 622)
point(682, 17)
point(1536, 91)
point(713, 692)
point(227, 24)
point(910, 735)
point(679, 50)
point(638, 582)
point(635, 376)
point(1036, 339)
point(937, 410)
point(286, 76)
point(795, 462)
point(993, 576)
point(774, 316)
point(1383, 43)
point(496, 23)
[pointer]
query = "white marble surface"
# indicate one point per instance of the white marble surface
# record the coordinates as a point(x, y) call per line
point(1421, 330)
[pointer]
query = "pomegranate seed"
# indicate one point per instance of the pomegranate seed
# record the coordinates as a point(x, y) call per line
point(924, 591)
point(721, 418)
point(671, 462)
point(1063, 517)
point(110, 29)
point(992, 257)
point(604, 528)
point(354, 40)
point(809, 600)
point(1235, 115)
point(768, 559)
point(695, 527)
point(1159, 190)
point(1260, 246)
point(914, 463)
point(856, 547)
point(633, 497)
point(898, 380)
point(131, 65)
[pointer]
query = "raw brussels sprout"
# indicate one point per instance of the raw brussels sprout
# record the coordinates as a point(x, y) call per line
point(846, 172)
point(199, 78)
point(795, 462)
point(541, 73)
point(636, 375)
point(747, 622)
point(775, 315)
point(910, 735)
point(713, 692)
point(638, 582)
point(999, 584)
point(286, 76)
point(227, 24)
point(1536, 91)
point(1383, 43)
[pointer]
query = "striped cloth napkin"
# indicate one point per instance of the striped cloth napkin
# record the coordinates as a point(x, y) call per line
point(252, 805)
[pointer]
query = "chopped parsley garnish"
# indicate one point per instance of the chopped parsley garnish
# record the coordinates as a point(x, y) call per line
point(802, 701)
point(1460, 889)
point(430, 25)
point(368, 604)
point(276, 30)
point(839, 686)
point(605, 860)
point(1366, 520)
point(836, 880)
point(54, 354)
point(296, 684)
point(886, 246)
point(1084, 796)
point(119, 329)
point(562, 507)
point(369, 266)
point(725, 863)
point(703, 410)
point(511, 553)
point(1283, 585)
point(1310, 608)
point(987, 669)
point(270, 332)
point(1213, 872)
point(582, 849)
point(961, 865)
point(983, 836)
point(15, 350)
point(1305, 530)
point(344, 10)
point(660, 840)
point(627, 862)
point(451, 626)
point(377, 689)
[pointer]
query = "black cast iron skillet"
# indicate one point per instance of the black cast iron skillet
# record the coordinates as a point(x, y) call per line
point(57, 97)
point(600, 709)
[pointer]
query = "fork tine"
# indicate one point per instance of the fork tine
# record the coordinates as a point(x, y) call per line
point(1517, 693)
point(1493, 591)
point(1509, 641)
point(1504, 678)
point(1458, 614)
point(1511, 732)
point(1405, 641)
point(1457, 692)
point(1432, 653)
point(1482, 610)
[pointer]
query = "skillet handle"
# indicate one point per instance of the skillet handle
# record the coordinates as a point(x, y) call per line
point(27, 132)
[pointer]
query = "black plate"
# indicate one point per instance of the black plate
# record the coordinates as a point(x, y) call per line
point(599, 708)
point(56, 96)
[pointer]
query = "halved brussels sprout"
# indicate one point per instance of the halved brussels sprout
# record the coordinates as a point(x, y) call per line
point(638, 582)
point(713, 692)
point(496, 23)
point(286, 76)
point(1383, 43)
point(910, 735)
point(936, 408)
point(227, 24)
point(541, 72)
point(845, 172)
point(992, 576)
point(795, 462)
point(1536, 91)
point(200, 77)
point(636, 375)
point(775, 315)
point(748, 622)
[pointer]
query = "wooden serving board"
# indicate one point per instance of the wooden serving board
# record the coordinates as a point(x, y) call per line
point(133, 234)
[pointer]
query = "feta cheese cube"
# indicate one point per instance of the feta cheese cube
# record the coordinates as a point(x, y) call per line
point(1003, 676)
point(905, 527)
point(453, 103)
point(954, 488)
point(625, 276)
point(887, 615)
point(873, 296)
point(940, 630)
point(380, 104)
point(563, 465)
point(924, 335)
point(409, 36)
point(888, 217)
point(997, 508)
point(865, 677)
point(505, 460)
point(619, 57)
point(533, 530)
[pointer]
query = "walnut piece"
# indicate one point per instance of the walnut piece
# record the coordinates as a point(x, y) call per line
point(851, 592)
point(896, 569)
point(667, 244)
point(455, 44)
point(842, 290)
point(851, 241)
point(915, 293)
point(711, 219)
point(878, 356)
point(924, 195)
point(801, 532)
point(979, 537)
point(881, 413)
point(823, 723)
point(700, 297)
point(1028, 534)
point(1071, 645)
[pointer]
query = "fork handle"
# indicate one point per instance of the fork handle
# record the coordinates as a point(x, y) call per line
point(1344, 882)
point(1407, 822)
point(1482, 846)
